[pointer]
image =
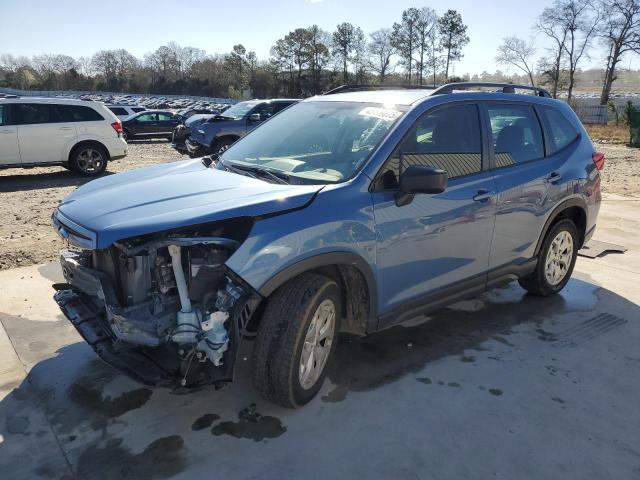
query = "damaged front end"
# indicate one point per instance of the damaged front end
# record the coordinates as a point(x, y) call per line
point(163, 308)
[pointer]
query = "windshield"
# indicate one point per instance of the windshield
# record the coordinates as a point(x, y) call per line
point(316, 141)
point(239, 110)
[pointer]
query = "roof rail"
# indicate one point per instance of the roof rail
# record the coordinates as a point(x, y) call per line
point(505, 87)
point(357, 88)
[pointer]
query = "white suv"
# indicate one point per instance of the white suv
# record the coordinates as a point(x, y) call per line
point(124, 111)
point(79, 135)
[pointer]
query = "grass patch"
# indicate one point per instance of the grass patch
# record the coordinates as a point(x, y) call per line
point(609, 133)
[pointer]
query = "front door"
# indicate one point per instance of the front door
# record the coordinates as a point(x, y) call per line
point(9, 151)
point(435, 241)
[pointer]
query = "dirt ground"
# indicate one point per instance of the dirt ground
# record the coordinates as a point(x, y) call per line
point(29, 196)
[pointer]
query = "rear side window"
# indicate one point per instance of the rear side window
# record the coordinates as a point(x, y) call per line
point(516, 132)
point(561, 131)
point(448, 138)
point(164, 117)
point(78, 113)
point(118, 111)
point(4, 114)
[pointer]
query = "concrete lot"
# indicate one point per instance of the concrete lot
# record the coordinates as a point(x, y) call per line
point(507, 386)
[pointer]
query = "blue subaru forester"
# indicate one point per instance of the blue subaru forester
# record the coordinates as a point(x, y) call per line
point(347, 212)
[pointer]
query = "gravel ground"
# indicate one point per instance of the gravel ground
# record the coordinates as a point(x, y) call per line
point(29, 196)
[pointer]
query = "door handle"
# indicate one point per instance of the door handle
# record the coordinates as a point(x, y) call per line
point(7, 132)
point(66, 128)
point(555, 177)
point(483, 195)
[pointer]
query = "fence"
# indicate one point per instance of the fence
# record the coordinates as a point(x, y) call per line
point(55, 93)
point(590, 114)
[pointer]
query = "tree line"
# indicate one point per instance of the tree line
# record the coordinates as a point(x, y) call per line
point(421, 48)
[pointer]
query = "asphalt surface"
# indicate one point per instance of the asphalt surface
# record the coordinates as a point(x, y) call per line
point(502, 386)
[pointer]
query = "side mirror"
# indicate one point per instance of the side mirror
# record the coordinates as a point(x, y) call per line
point(255, 117)
point(420, 179)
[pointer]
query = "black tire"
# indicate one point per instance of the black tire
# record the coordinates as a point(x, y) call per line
point(281, 334)
point(536, 282)
point(78, 161)
point(219, 146)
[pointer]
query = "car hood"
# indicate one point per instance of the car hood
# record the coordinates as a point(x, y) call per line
point(198, 118)
point(174, 195)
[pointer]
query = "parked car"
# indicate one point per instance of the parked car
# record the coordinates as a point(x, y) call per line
point(150, 124)
point(78, 135)
point(183, 130)
point(220, 132)
point(187, 113)
point(350, 212)
point(125, 111)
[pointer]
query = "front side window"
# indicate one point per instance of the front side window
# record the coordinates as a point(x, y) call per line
point(448, 138)
point(561, 131)
point(319, 142)
point(516, 134)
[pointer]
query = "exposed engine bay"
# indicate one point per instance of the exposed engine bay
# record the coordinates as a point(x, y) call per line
point(163, 309)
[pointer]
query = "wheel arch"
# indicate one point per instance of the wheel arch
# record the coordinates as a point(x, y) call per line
point(574, 209)
point(87, 143)
point(353, 275)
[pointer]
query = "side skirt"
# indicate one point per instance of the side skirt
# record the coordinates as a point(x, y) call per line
point(469, 288)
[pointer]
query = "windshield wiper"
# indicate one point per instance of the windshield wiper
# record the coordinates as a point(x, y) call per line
point(280, 178)
point(239, 171)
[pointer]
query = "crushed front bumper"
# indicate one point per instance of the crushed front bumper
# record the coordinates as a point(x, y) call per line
point(150, 366)
point(194, 148)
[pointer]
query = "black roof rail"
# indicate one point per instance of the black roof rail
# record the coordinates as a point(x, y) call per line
point(357, 88)
point(505, 87)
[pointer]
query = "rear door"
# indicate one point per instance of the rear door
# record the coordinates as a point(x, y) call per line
point(524, 177)
point(43, 132)
point(9, 151)
point(436, 241)
point(145, 124)
point(166, 123)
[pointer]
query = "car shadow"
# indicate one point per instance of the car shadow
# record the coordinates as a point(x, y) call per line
point(42, 181)
point(148, 141)
point(90, 407)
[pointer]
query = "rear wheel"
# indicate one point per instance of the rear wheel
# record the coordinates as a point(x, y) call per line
point(296, 340)
point(89, 160)
point(556, 260)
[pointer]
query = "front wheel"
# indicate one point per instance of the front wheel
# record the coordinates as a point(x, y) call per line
point(555, 262)
point(221, 146)
point(89, 160)
point(296, 340)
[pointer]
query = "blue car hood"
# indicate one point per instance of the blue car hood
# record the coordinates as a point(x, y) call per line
point(174, 195)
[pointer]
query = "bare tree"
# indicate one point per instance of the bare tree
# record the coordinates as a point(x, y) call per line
point(621, 34)
point(572, 25)
point(519, 53)
point(319, 41)
point(381, 50)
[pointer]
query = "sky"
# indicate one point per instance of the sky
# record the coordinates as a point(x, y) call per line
point(82, 27)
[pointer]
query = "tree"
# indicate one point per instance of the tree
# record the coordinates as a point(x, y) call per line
point(318, 53)
point(571, 24)
point(426, 28)
point(518, 53)
point(621, 34)
point(381, 50)
point(453, 37)
point(343, 44)
point(405, 37)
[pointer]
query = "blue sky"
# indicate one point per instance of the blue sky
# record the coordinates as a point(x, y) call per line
point(77, 27)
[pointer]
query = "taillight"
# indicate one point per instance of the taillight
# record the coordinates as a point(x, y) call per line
point(117, 126)
point(598, 159)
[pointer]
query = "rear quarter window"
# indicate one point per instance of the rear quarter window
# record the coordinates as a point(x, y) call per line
point(80, 113)
point(118, 111)
point(558, 129)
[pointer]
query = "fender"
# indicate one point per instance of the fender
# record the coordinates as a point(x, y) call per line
point(323, 260)
point(571, 202)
